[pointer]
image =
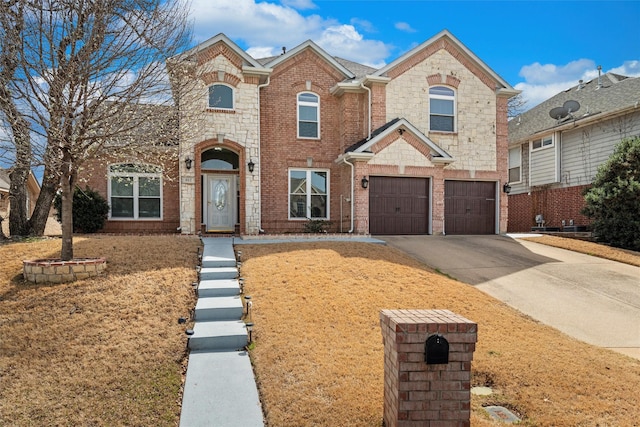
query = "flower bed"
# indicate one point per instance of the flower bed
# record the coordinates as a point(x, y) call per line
point(58, 271)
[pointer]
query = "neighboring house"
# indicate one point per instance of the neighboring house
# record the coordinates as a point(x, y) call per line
point(554, 153)
point(416, 147)
point(33, 190)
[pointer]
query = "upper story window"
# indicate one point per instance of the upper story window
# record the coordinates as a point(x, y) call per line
point(442, 107)
point(308, 115)
point(221, 96)
point(135, 191)
point(542, 143)
point(515, 161)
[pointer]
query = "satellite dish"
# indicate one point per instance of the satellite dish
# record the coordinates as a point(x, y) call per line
point(559, 113)
point(571, 106)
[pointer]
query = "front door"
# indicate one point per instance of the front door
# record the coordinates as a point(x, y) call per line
point(221, 203)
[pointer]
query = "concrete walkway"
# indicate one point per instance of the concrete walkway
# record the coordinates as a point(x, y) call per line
point(220, 388)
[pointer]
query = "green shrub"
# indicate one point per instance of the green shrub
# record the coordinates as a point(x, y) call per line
point(316, 226)
point(613, 200)
point(90, 210)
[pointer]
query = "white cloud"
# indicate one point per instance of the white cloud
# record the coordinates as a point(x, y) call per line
point(403, 26)
point(544, 81)
point(264, 28)
point(300, 4)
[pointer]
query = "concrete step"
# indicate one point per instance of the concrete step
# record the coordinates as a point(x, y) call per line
point(218, 288)
point(218, 273)
point(218, 252)
point(218, 308)
point(218, 336)
point(220, 390)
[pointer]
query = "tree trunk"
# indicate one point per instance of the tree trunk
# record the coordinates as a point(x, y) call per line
point(40, 215)
point(66, 187)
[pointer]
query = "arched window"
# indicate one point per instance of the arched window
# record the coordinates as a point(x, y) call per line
point(135, 191)
point(442, 107)
point(308, 115)
point(221, 96)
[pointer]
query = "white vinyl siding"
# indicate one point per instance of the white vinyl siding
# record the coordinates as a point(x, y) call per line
point(585, 149)
point(543, 166)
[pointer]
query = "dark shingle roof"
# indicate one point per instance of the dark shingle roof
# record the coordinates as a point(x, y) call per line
point(616, 92)
point(373, 135)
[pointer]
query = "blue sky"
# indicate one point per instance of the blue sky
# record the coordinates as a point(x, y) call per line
point(539, 47)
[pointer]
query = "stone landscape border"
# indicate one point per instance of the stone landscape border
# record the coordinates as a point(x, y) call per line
point(58, 271)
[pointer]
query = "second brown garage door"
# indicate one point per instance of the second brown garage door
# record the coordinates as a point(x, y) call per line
point(469, 207)
point(398, 205)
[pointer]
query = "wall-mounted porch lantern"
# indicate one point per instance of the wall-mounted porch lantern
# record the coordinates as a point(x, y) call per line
point(364, 182)
point(251, 165)
point(188, 162)
point(506, 188)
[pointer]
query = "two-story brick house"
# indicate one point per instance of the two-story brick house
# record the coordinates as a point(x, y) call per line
point(416, 147)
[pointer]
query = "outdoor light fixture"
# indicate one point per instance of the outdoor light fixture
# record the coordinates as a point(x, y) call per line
point(241, 283)
point(247, 301)
point(250, 329)
point(188, 162)
point(251, 165)
point(364, 182)
point(506, 188)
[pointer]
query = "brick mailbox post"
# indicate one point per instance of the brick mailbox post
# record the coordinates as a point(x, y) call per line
point(427, 368)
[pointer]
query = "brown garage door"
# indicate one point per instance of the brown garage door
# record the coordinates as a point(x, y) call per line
point(469, 207)
point(398, 205)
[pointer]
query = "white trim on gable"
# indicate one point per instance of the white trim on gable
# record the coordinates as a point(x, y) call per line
point(311, 45)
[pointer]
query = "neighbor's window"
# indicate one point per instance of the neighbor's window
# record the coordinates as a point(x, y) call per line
point(542, 142)
point(308, 115)
point(135, 191)
point(308, 194)
point(442, 109)
point(221, 96)
point(514, 164)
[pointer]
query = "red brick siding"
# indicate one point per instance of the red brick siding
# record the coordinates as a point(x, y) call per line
point(554, 204)
point(94, 174)
point(281, 149)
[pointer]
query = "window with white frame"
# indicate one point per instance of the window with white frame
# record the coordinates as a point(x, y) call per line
point(442, 107)
point(135, 191)
point(308, 194)
point(221, 96)
point(308, 115)
point(542, 143)
point(515, 160)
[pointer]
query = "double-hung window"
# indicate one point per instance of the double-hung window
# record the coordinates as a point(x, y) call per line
point(221, 96)
point(308, 194)
point(135, 191)
point(514, 164)
point(308, 115)
point(442, 107)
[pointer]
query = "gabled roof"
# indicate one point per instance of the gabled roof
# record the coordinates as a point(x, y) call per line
point(212, 41)
point(274, 61)
point(364, 145)
point(615, 94)
point(445, 34)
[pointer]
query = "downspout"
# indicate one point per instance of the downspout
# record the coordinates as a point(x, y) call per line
point(352, 192)
point(368, 115)
point(260, 230)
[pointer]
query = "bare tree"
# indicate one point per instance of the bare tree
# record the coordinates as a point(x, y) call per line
point(516, 105)
point(86, 72)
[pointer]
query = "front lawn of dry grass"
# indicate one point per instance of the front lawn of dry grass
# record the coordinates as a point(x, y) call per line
point(105, 351)
point(318, 352)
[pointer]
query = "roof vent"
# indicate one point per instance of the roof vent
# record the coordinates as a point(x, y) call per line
point(580, 84)
point(599, 77)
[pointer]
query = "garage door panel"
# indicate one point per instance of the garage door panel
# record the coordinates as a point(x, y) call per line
point(398, 205)
point(469, 207)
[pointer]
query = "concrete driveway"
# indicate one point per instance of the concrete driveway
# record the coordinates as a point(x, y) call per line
point(591, 299)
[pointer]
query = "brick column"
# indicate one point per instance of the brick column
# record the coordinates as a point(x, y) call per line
point(417, 394)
